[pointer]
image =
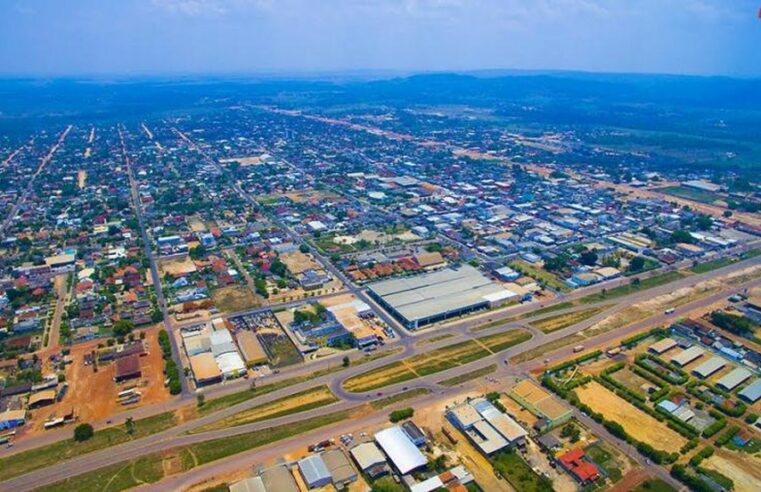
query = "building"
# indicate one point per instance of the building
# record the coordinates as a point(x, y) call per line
point(369, 459)
point(279, 479)
point(251, 484)
point(662, 346)
point(486, 427)
point(314, 471)
point(583, 471)
point(404, 455)
point(414, 433)
point(42, 398)
point(452, 480)
point(686, 356)
point(11, 419)
point(127, 368)
point(752, 392)
point(439, 295)
point(733, 379)
point(702, 185)
point(205, 369)
point(541, 403)
point(251, 349)
point(339, 467)
point(709, 367)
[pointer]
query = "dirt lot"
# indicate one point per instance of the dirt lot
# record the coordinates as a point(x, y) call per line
point(196, 224)
point(743, 469)
point(234, 298)
point(176, 266)
point(92, 395)
point(298, 262)
point(639, 425)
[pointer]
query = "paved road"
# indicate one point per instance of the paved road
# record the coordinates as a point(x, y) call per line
point(155, 278)
point(174, 437)
point(30, 185)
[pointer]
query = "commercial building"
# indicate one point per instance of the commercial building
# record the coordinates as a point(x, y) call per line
point(439, 295)
point(279, 479)
point(251, 349)
point(127, 368)
point(205, 369)
point(404, 455)
point(662, 346)
point(709, 367)
point(251, 484)
point(486, 427)
point(369, 459)
point(10, 419)
point(752, 392)
point(582, 470)
point(541, 403)
point(686, 356)
point(340, 468)
point(42, 398)
point(314, 471)
point(733, 379)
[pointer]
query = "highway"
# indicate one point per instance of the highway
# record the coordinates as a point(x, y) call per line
point(175, 437)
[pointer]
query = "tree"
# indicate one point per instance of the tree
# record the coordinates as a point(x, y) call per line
point(346, 361)
point(130, 425)
point(201, 399)
point(681, 236)
point(122, 327)
point(304, 248)
point(588, 258)
point(637, 264)
point(83, 432)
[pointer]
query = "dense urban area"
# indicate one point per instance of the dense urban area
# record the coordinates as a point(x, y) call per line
point(297, 286)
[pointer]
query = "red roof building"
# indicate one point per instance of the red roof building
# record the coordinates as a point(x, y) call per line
point(583, 471)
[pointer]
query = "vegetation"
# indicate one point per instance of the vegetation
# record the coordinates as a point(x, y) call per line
point(405, 395)
point(468, 376)
point(401, 414)
point(509, 465)
point(83, 432)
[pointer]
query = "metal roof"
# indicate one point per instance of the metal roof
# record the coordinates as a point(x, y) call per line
point(442, 291)
point(405, 456)
point(734, 378)
point(367, 455)
point(686, 356)
point(314, 470)
point(710, 366)
point(752, 392)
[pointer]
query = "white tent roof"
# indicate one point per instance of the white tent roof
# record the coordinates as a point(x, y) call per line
point(400, 450)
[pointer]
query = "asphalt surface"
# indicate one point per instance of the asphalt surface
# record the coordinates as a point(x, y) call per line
point(175, 437)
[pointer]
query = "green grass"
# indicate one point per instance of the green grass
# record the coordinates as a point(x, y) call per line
point(547, 278)
point(631, 288)
point(690, 194)
point(654, 485)
point(468, 376)
point(149, 468)
point(530, 314)
point(321, 396)
point(519, 474)
point(722, 262)
point(561, 321)
point(405, 395)
point(34, 459)
point(502, 341)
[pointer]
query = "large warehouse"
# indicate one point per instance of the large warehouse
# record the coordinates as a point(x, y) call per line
point(435, 296)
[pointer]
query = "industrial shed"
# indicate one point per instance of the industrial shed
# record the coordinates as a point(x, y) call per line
point(279, 479)
point(127, 368)
point(662, 346)
point(752, 393)
point(314, 471)
point(339, 467)
point(205, 369)
point(12, 418)
point(42, 398)
point(686, 356)
point(733, 379)
point(405, 456)
point(439, 295)
point(251, 484)
point(709, 367)
point(251, 349)
point(369, 459)
point(539, 402)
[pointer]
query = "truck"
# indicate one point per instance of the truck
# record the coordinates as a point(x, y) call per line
point(669, 311)
point(578, 348)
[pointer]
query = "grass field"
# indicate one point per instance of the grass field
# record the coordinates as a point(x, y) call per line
point(154, 467)
point(560, 321)
point(722, 262)
point(234, 298)
point(399, 397)
point(690, 194)
point(469, 376)
point(298, 402)
point(654, 485)
point(547, 278)
point(623, 290)
point(434, 361)
point(547, 348)
point(27, 461)
point(519, 473)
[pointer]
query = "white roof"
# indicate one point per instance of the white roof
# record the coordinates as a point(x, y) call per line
point(230, 363)
point(433, 483)
point(734, 378)
point(251, 484)
point(710, 366)
point(367, 455)
point(218, 337)
point(686, 356)
point(400, 450)
point(499, 296)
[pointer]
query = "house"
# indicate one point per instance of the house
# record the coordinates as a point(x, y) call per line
point(574, 463)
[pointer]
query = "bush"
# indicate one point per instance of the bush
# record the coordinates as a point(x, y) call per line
point(727, 435)
point(401, 414)
point(83, 432)
point(692, 482)
point(704, 453)
point(712, 429)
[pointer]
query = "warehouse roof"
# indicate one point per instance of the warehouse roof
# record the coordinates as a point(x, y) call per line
point(339, 466)
point(279, 479)
point(686, 356)
point(400, 450)
point(731, 380)
point(250, 347)
point(127, 367)
point(314, 470)
point(710, 366)
point(251, 484)
point(662, 345)
point(752, 392)
point(204, 367)
point(442, 291)
point(41, 397)
point(367, 455)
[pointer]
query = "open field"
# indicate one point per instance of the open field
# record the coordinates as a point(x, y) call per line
point(560, 321)
point(547, 348)
point(177, 266)
point(34, 459)
point(399, 397)
point(469, 376)
point(690, 194)
point(545, 277)
point(502, 341)
point(154, 467)
point(638, 424)
point(298, 402)
point(234, 298)
point(743, 469)
point(630, 288)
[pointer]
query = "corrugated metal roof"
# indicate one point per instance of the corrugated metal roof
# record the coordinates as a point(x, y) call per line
point(752, 392)
point(734, 378)
point(400, 450)
point(710, 366)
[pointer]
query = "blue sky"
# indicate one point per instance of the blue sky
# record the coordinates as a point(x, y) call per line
point(143, 37)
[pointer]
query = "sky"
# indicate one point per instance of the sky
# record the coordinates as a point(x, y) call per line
point(188, 37)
